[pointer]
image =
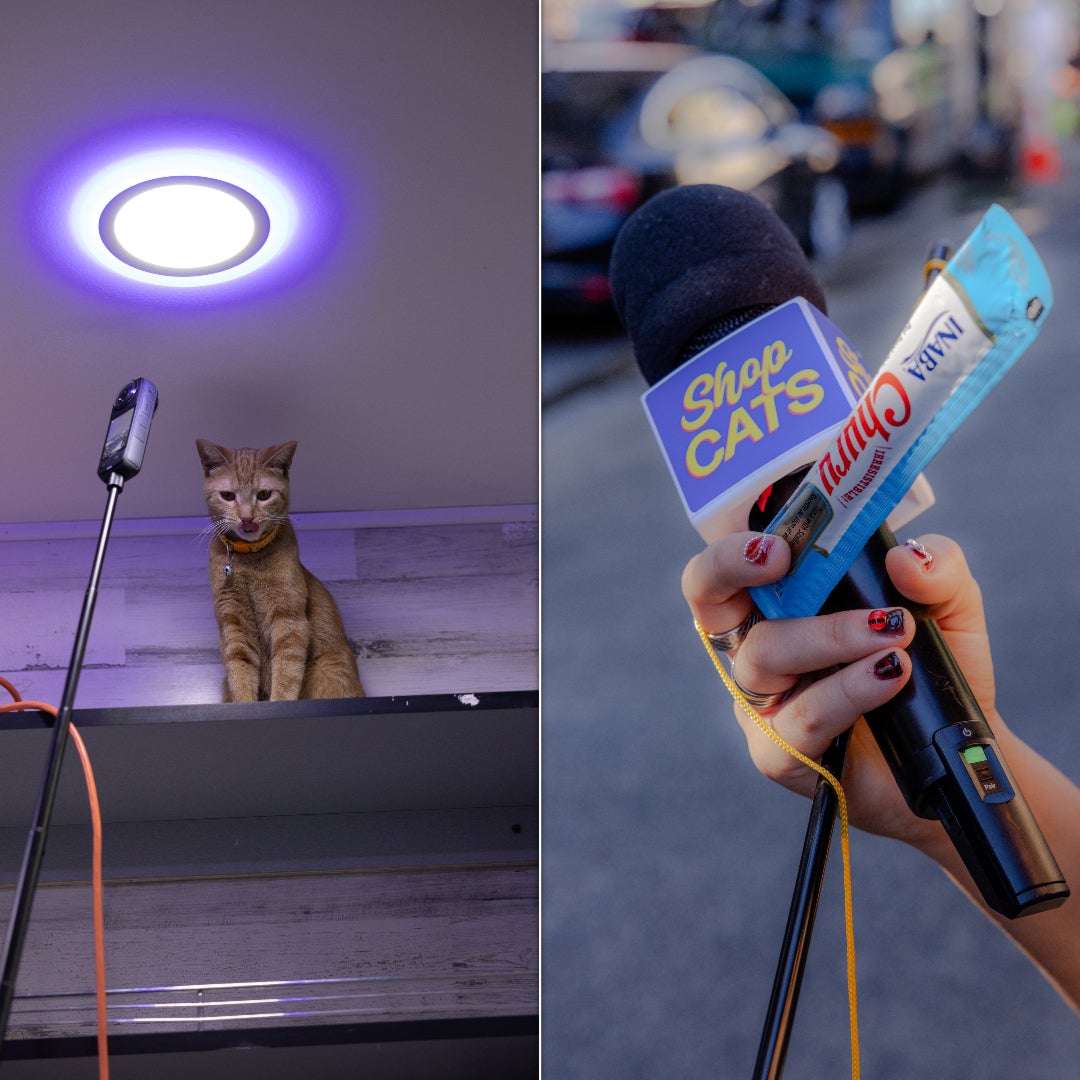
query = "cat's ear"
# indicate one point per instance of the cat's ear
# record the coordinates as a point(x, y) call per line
point(279, 457)
point(212, 456)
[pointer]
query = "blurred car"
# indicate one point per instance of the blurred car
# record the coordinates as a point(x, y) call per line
point(902, 106)
point(621, 121)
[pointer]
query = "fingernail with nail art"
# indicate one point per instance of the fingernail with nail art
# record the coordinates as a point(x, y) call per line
point(921, 554)
point(889, 667)
point(757, 548)
point(886, 622)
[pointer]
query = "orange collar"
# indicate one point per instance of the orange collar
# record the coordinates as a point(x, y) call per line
point(245, 548)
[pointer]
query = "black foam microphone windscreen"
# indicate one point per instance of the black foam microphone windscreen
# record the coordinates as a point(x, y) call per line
point(694, 256)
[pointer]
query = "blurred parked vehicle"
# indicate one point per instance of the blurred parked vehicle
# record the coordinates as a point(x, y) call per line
point(896, 82)
point(623, 120)
point(668, 20)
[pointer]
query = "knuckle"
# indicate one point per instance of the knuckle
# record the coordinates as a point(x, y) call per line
point(770, 760)
point(810, 721)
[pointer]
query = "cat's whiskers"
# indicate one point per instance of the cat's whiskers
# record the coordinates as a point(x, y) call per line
point(206, 533)
point(217, 527)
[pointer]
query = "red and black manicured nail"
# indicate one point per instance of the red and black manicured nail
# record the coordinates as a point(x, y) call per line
point(889, 667)
point(886, 622)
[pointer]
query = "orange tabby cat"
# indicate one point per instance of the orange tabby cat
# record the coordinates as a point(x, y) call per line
point(281, 633)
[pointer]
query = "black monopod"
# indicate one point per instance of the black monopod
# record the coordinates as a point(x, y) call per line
point(121, 459)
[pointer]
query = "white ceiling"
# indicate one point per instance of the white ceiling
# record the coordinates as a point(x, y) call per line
point(404, 358)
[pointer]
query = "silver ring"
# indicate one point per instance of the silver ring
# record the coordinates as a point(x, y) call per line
point(730, 640)
point(761, 701)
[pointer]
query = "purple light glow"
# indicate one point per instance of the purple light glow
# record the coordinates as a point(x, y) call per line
point(73, 191)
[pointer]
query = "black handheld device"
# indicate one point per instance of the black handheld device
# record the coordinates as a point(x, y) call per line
point(129, 427)
point(947, 762)
point(943, 754)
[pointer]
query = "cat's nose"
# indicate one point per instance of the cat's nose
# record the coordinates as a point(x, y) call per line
point(248, 526)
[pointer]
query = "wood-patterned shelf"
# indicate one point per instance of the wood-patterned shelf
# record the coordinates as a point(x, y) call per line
point(284, 866)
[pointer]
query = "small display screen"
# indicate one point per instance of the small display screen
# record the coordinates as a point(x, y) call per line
point(985, 771)
point(118, 431)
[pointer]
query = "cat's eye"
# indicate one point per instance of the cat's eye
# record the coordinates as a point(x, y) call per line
point(228, 496)
point(263, 495)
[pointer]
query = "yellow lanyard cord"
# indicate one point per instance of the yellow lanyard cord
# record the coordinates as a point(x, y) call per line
point(841, 801)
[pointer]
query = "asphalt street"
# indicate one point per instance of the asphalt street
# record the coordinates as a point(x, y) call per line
point(668, 861)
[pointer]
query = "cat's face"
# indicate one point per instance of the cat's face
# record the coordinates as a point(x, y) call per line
point(246, 490)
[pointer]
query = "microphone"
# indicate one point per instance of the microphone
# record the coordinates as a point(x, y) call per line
point(710, 284)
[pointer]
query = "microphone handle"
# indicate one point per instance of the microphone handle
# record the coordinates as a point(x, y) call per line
point(945, 758)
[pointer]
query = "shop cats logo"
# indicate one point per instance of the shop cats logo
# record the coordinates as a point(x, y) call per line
point(770, 388)
point(747, 402)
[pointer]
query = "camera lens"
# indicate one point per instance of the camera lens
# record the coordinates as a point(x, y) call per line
point(126, 394)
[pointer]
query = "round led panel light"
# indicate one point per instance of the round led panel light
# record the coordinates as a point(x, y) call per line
point(246, 216)
point(184, 226)
point(90, 209)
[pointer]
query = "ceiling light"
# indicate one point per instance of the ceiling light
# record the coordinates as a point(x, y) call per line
point(157, 216)
point(184, 226)
point(120, 211)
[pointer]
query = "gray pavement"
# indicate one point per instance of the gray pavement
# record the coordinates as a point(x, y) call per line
point(668, 861)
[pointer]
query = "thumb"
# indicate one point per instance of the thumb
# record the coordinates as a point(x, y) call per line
point(933, 572)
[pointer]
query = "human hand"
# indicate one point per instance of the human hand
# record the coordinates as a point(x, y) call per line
point(826, 671)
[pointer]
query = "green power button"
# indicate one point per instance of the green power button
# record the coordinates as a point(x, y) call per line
point(974, 755)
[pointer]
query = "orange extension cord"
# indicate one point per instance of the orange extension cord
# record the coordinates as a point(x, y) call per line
point(18, 705)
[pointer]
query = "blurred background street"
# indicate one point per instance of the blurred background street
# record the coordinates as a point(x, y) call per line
point(668, 861)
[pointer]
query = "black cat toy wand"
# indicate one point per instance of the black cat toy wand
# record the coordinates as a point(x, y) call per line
point(121, 459)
